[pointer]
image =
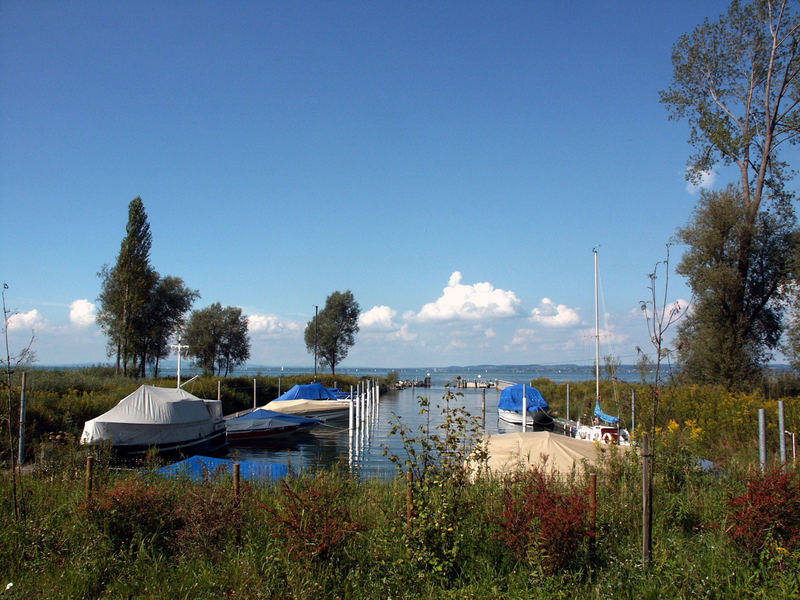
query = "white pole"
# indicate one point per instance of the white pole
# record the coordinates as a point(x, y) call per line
point(633, 410)
point(524, 410)
point(782, 427)
point(254, 393)
point(358, 405)
point(597, 332)
point(350, 414)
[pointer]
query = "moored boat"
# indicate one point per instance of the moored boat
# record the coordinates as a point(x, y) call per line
point(510, 407)
point(164, 420)
point(310, 400)
point(262, 425)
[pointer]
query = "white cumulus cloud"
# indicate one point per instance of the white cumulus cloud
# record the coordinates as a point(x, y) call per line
point(706, 181)
point(378, 318)
point(27, 320)
point(476, 301)
point(272, 326)
point(82, 313)
point(550, 314)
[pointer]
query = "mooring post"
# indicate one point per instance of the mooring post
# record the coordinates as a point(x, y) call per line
point(219, 389)
point(483, 406)
point(524, 410)
point(781, 428)
point(350, 412)
point(647, 502)
point(89, 476)
point(254, 393)
point(409, 498)
point(762, 438)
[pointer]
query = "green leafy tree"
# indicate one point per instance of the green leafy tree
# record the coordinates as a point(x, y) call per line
point(332, 333)
point(217, 338)
point(127, 287)
point(736, 319)
point(165, 315)
point(736, 81)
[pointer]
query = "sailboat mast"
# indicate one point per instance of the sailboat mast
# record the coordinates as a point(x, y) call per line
point(596, 331)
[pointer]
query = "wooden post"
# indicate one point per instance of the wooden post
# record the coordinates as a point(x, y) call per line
point(409, 498)
point(89, 476)
point(592, 512)
point(647, 502)
point(483, 407)
point(22, 405)
point(237, 474)
point(762, 438)
point(219, 389)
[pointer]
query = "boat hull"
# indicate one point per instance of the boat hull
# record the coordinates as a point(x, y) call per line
point(533, 417)
point(208, 444)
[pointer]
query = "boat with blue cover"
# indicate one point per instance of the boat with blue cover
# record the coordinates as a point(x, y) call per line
point(510, 407)
point(263, 425)
point(310, 400)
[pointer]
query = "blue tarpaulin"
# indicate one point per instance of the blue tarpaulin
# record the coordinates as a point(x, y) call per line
point(603, 416)
point(263, 413)
point(311, 391)
point(203, 468)
point(511, 399)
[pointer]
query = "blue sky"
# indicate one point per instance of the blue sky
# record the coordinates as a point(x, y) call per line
point(452, 164)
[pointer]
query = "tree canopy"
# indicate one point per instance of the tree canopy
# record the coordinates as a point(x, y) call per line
point(736, 81)
point(332, 332)
point(139, 310)
point(217, 338)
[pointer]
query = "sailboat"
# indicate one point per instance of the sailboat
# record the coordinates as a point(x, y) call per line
point(604, 428)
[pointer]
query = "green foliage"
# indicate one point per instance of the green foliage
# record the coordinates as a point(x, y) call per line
point(217, 338)
point(438, 461)
point(736, 321)
point(331, 333)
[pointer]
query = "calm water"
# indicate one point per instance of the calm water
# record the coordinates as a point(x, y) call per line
point(363, 452)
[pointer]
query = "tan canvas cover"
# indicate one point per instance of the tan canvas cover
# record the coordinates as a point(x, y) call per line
point(308, 407)
point(511, 451)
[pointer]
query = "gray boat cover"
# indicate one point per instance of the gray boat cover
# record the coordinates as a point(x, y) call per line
point(153, 416)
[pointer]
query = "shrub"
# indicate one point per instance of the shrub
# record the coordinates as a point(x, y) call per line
point(133, 510)
point(544, 522)
point(313, 516)
point(769, 509)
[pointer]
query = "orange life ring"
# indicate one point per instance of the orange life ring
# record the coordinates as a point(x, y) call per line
point(608, 438)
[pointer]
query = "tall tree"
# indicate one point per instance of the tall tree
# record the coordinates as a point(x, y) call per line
point(736, 321)
point(167, 306)
point(332, 332)
point(737, 82)
point(217, 338)
point(127, 287)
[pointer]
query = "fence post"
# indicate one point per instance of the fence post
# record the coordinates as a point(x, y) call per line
point(647, 502)
point(592, 512)
point(89, 476)
point(762, 438)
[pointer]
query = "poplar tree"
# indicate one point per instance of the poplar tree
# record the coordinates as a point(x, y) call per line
point(736, 81)
point(127, 287)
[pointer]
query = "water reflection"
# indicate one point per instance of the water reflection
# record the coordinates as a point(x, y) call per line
point(363, 449)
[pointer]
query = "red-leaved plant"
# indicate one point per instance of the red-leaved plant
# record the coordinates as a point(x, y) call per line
point(544, 522)
point(769, 509)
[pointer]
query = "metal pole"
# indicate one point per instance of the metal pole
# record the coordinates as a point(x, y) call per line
point(646, 502)
point(567, 404)
point(524, 410)
point(782, 427)
point(316, 319)
point(254, 393)
point(22, 406)
point(483, 406)
point(762, 438)
point(633, 410)
point(597, 331)
point(350, 412)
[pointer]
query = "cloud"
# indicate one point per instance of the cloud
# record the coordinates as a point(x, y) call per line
point(705, 181)
point(378, 318)
point(489, 333)
point(550, 314)
point(29, 320)
point(477, 301)
point(403, 334)
point(520, 340)
point(272, 327)
point(82, 313)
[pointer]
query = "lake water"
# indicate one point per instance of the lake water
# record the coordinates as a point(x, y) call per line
point(363, 451)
